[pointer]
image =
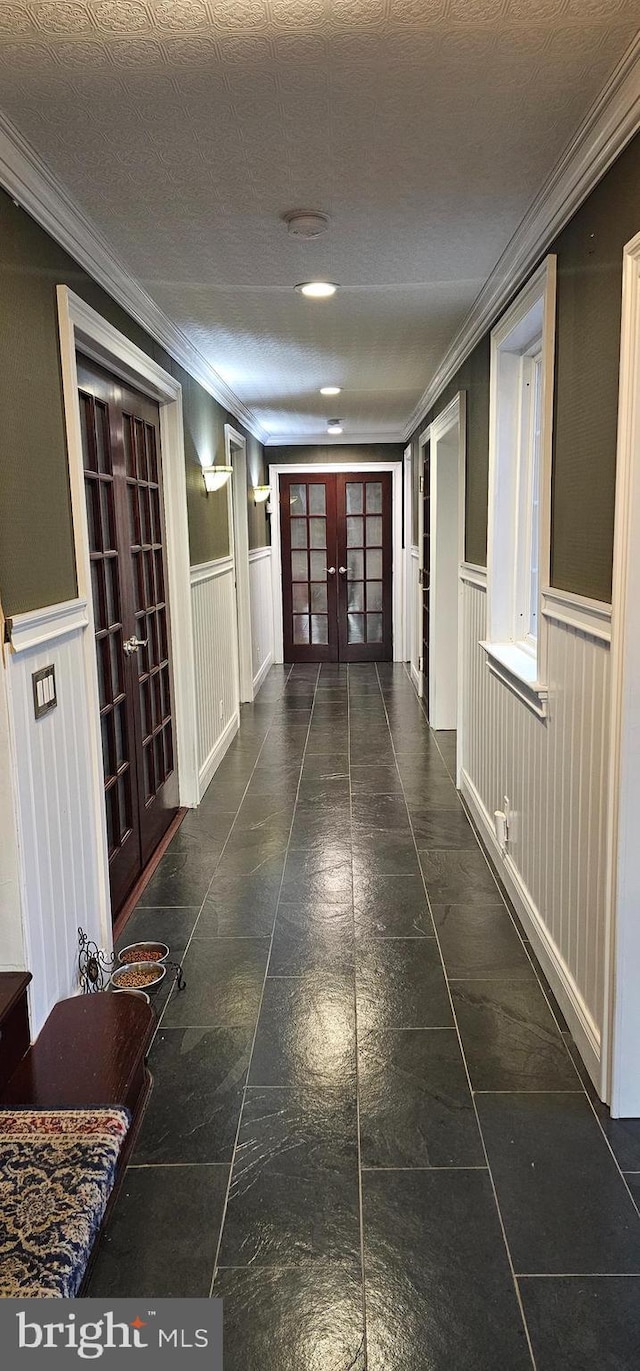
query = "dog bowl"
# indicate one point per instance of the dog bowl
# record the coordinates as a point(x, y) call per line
point(138, 976)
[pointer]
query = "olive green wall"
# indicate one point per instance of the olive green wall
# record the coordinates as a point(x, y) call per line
point(587, 373)
point(37, 565)
point(257, 475)
point(589, 294)
point(337, 452)
point(36, 547)
point(473, 378)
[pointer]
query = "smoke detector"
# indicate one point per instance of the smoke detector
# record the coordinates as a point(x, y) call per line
point(306, 223)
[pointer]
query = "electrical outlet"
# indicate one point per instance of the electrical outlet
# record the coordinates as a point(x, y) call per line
point(221, 710)
point(512, 822)
point(500, 824)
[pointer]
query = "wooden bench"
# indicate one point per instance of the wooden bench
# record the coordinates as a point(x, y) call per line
point(90, 1055)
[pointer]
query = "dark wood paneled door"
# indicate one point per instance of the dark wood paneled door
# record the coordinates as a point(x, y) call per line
point(123, 485)
point(337, 566)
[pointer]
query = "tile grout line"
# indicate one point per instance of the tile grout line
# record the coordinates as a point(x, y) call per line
point(217, 864)
point(529, 953)
point(531, 958)
point(264, 983)
point(464, 1059)
point(355, 1022)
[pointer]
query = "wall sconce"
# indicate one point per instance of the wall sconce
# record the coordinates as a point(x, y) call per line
point(215, 477)
point(260, 494)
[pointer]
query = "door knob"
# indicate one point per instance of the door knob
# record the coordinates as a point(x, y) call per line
point(342, 570)
point(132, 644)
point(331, 571)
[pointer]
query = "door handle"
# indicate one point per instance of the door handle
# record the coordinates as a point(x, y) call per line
point(342, 570)
point(331, 571)
point(132, 644)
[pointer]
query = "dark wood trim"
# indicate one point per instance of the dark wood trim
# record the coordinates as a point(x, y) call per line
point(15, 1031)
point(91, 1053)
point(12, 987)
point(145, 876)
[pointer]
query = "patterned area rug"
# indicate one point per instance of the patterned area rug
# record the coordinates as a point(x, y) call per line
point(57, 1169)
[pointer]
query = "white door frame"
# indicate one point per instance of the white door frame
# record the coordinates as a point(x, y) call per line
point(407, 560)
point(453, 417)
point(417, 665)
point(81, 327)
point(235, 447)
point(621, 1020)
point(276, 470)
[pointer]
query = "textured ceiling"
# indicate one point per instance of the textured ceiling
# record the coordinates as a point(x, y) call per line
point(186, 128)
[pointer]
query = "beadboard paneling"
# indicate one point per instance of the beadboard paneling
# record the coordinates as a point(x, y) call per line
point(416, 619)
point(213, 600)
point(554, 773)
point(56, 813)
point(12, 950)
point(261, 598)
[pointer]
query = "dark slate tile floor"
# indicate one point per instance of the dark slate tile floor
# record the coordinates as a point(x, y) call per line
point(370, 1131)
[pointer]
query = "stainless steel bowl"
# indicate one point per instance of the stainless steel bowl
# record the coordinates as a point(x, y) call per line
point(126, 954)
point(115, 981)
point(126, 990)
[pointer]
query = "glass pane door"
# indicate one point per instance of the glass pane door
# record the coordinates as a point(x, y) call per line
point(337, 567)
point(309, 573)
point(365, 560)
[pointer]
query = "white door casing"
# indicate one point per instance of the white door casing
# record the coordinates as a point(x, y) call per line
point(81, 327)
point(276, 470)
point(236, 457)
point(407, 561)
point(417, 667)
point(621, 1026)
point(446, 550)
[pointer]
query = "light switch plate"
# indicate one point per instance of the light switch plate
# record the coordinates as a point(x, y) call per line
point(44, 690)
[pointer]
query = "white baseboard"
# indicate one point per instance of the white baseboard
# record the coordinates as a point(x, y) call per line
point(570, 1000)
point(416, 679)
point(208, 769)
point(262, 674)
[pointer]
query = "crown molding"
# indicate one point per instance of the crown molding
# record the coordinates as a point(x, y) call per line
point(607, 128)
point(29, 182)
point(324, 439)
point(610, 124)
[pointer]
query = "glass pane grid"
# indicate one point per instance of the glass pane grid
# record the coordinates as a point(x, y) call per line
point(374, 497)
point(354, 497)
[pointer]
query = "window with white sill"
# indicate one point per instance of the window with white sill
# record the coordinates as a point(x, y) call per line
point(520, 442)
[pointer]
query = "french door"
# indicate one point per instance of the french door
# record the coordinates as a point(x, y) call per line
point(337, 558)
point(123, 486)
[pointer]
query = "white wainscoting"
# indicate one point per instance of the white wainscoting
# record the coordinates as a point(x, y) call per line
point(554, 773)
point(261, 598)
point(215, 635)
point(56, 814)
point(12, 949)
point(415, 601)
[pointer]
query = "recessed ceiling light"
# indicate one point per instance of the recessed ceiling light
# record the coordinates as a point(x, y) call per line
point(318, 290)
point(330, 390)
point(334, 426)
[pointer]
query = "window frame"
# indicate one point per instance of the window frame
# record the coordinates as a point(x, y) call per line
point(526, 331)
